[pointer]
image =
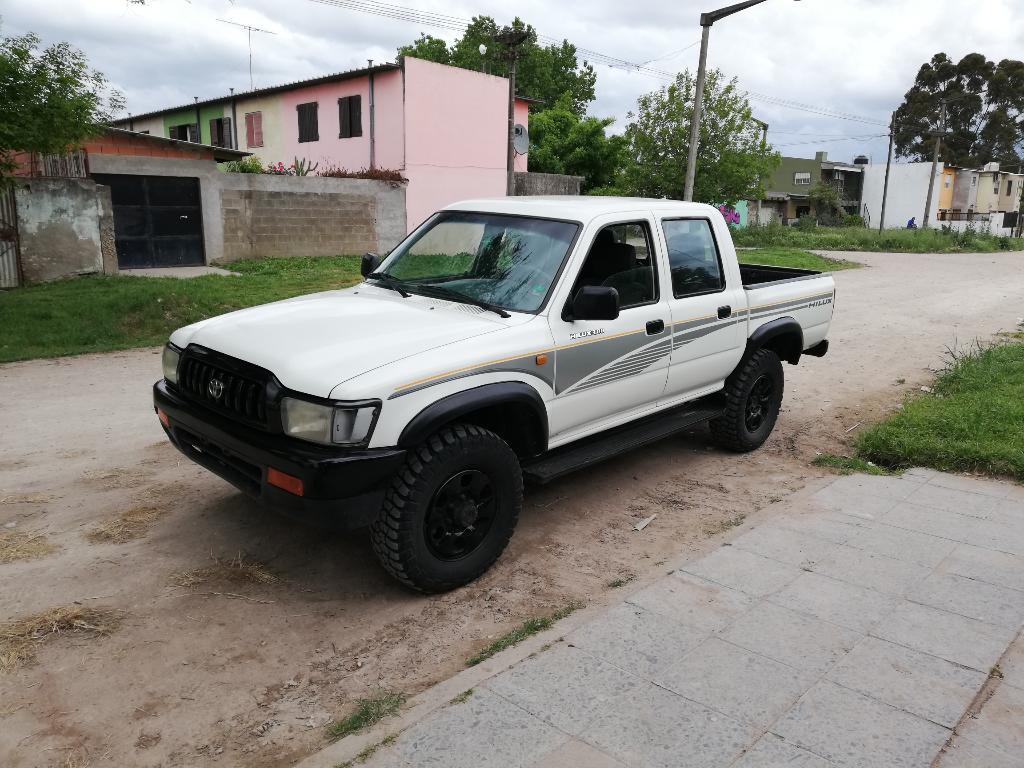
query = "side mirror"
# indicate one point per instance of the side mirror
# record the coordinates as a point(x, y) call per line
point(369, 264)
point(596, 302)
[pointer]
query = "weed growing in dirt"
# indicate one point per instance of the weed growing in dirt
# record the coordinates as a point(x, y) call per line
point(527, 629)
point(621, 581)
point(368, 712)
point(236, 570)
point(847, 465)
point(367, 753)
point(724, 525)
point(20, 639)
point(131, 524)
point(462, 697)
point(15, 545)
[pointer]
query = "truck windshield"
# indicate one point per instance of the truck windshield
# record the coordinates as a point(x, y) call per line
point(505, 261)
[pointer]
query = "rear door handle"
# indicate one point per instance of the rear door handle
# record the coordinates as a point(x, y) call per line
point(724, 312)
point(655, 327)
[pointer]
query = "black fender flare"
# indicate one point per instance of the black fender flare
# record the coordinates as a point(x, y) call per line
point(788, 350)
point(452, 407)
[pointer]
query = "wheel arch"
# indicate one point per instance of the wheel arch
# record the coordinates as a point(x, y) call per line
point(784, 336)
point(512, 410)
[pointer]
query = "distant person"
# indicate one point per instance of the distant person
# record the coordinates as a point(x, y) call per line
point(912, 224)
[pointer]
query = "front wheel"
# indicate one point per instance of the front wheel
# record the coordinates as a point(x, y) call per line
point(753, 396)
point(450, 511)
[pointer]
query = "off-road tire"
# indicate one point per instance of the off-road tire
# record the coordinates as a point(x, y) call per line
point(398, 533)
point(730, 430)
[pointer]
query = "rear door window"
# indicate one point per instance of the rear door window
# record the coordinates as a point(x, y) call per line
point(693, 257)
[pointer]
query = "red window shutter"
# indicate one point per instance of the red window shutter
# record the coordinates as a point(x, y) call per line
point(257, 122)
point(250, 132)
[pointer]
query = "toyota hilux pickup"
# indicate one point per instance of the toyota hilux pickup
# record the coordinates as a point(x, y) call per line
point(503, 342)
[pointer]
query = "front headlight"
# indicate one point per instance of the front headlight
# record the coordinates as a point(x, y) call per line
point(327, 424)
point(171, 356)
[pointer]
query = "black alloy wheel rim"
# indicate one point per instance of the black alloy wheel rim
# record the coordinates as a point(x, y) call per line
point(759, 403)
point(460, 515)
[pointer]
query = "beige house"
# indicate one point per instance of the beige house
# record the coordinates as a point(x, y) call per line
point(998, 191)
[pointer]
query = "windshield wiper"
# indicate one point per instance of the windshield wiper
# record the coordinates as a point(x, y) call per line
point(448, 293)
point(388, 281)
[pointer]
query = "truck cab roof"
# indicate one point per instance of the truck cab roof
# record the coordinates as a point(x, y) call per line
point(580, 208)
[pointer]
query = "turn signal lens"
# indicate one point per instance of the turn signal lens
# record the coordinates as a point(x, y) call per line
point(163, 418)
point(284, 481)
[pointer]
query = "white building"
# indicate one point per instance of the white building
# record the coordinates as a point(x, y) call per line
point(908, 192)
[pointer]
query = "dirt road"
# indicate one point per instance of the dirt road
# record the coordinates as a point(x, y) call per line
point(215, 664)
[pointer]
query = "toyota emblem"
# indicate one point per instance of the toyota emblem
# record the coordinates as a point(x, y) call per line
point(215, 388)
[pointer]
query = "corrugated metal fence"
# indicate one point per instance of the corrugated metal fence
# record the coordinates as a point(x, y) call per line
point(9, 263)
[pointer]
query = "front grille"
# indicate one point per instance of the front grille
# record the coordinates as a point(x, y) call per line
point(240, 396)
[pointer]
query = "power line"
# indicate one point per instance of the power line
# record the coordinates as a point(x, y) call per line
point(818, 141)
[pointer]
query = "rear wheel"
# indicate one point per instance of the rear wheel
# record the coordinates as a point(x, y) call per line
point(753, 396)
point(450, 511)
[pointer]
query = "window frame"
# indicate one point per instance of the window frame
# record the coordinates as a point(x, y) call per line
point(221, 130)
point(250, 120)
point(800, 182)
point(718, 253)
point(316, 121)
point(354, 130)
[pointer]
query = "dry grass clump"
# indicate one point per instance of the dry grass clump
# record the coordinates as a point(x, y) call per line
point(15, 545)
point(26, 498)
point(236, 571)
point(131, 524)
point(21, 638)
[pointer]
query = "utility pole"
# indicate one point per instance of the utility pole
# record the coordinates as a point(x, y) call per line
point(935, 164)
point(764, 146)
point(888, 168)
point(512, 39)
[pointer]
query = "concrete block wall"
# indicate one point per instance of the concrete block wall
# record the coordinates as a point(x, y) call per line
point(528, 183)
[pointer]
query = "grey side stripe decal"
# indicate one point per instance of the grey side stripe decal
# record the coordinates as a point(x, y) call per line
point(628, 366)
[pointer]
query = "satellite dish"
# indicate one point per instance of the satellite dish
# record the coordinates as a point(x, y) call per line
point(521, 139)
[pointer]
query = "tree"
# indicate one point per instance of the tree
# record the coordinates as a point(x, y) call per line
point(985, 111)
point(826, 202)
point(50, 100)
point(543, 72)
point(563, 142)
point(732, 160)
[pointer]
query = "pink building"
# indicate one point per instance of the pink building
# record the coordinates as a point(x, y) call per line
point(444, 128)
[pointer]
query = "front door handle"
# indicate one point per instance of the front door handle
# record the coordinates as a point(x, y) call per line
point(724, 312)
point(655, 327)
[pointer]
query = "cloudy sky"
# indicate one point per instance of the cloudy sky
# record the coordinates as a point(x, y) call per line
point(855, 57)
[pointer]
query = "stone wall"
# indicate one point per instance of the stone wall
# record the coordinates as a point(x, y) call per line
point(59, 227)
point(529, 183)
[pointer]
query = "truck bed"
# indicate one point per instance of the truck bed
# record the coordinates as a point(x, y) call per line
point(760, 275)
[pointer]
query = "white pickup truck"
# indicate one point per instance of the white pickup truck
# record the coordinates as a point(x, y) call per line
point(503, 341)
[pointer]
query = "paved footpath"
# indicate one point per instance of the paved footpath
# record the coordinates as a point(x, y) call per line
point(858, 628)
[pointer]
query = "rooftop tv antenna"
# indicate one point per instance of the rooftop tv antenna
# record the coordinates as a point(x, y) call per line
point(249, 30)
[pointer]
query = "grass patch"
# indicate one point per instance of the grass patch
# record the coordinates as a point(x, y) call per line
point(15, 545)
point(131, 524)
point(20, 639)
point(527, 629)
point(101, 313)
point(794, 258)
point(237, 570)
point(864, 239)
point(971, 422)
point(462, 697)
point(847, 465)
point(368, 712)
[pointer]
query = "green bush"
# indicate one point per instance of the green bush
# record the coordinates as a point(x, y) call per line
point(854, 220)
point(807, 223)
point(250, 164)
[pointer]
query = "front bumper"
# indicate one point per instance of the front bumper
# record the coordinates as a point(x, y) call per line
point(342, 488)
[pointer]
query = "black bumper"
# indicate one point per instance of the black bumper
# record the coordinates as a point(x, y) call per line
point(341, 488)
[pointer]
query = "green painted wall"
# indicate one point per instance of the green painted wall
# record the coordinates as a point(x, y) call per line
point(782, 179)
point(206, 114)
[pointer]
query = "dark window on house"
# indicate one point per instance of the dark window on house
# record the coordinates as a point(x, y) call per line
point(308, 127)
point(802, 177)
point(254, 129)
point(1009, 187)
point(183, 132)
point(220, 132)
point(350, 117)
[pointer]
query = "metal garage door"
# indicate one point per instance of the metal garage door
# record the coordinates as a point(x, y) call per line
point(157, 220)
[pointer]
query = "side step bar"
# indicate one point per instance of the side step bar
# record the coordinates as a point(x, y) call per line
point(606, 445)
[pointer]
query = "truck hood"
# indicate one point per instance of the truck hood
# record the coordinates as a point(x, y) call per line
point(314, 343)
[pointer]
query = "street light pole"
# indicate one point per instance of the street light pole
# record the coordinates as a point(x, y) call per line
point(706, 21)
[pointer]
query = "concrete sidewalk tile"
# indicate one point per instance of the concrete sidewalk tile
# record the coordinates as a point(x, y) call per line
point(853, 730)
point(563, 686)
point(636, 640)
point(967, 753)
point(835, 527)
point(931, 520)
point(697, 603)
point(860, 505)
point(841, 603)
point(772, 752)
point(736, 682)
point(866, 569)
point(975, 599)
point(1012, 665)
point(748, 572)
point(576, 753)
point(969, 503)
point(970, 483)
point(484, 731)
point(887, 486)
point(784, 544)
point(999, 568)
point(654, 728)
point(947, 635)
point(924, 685)
point(902, 544)
point(808, 644)
point(1000, 726)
